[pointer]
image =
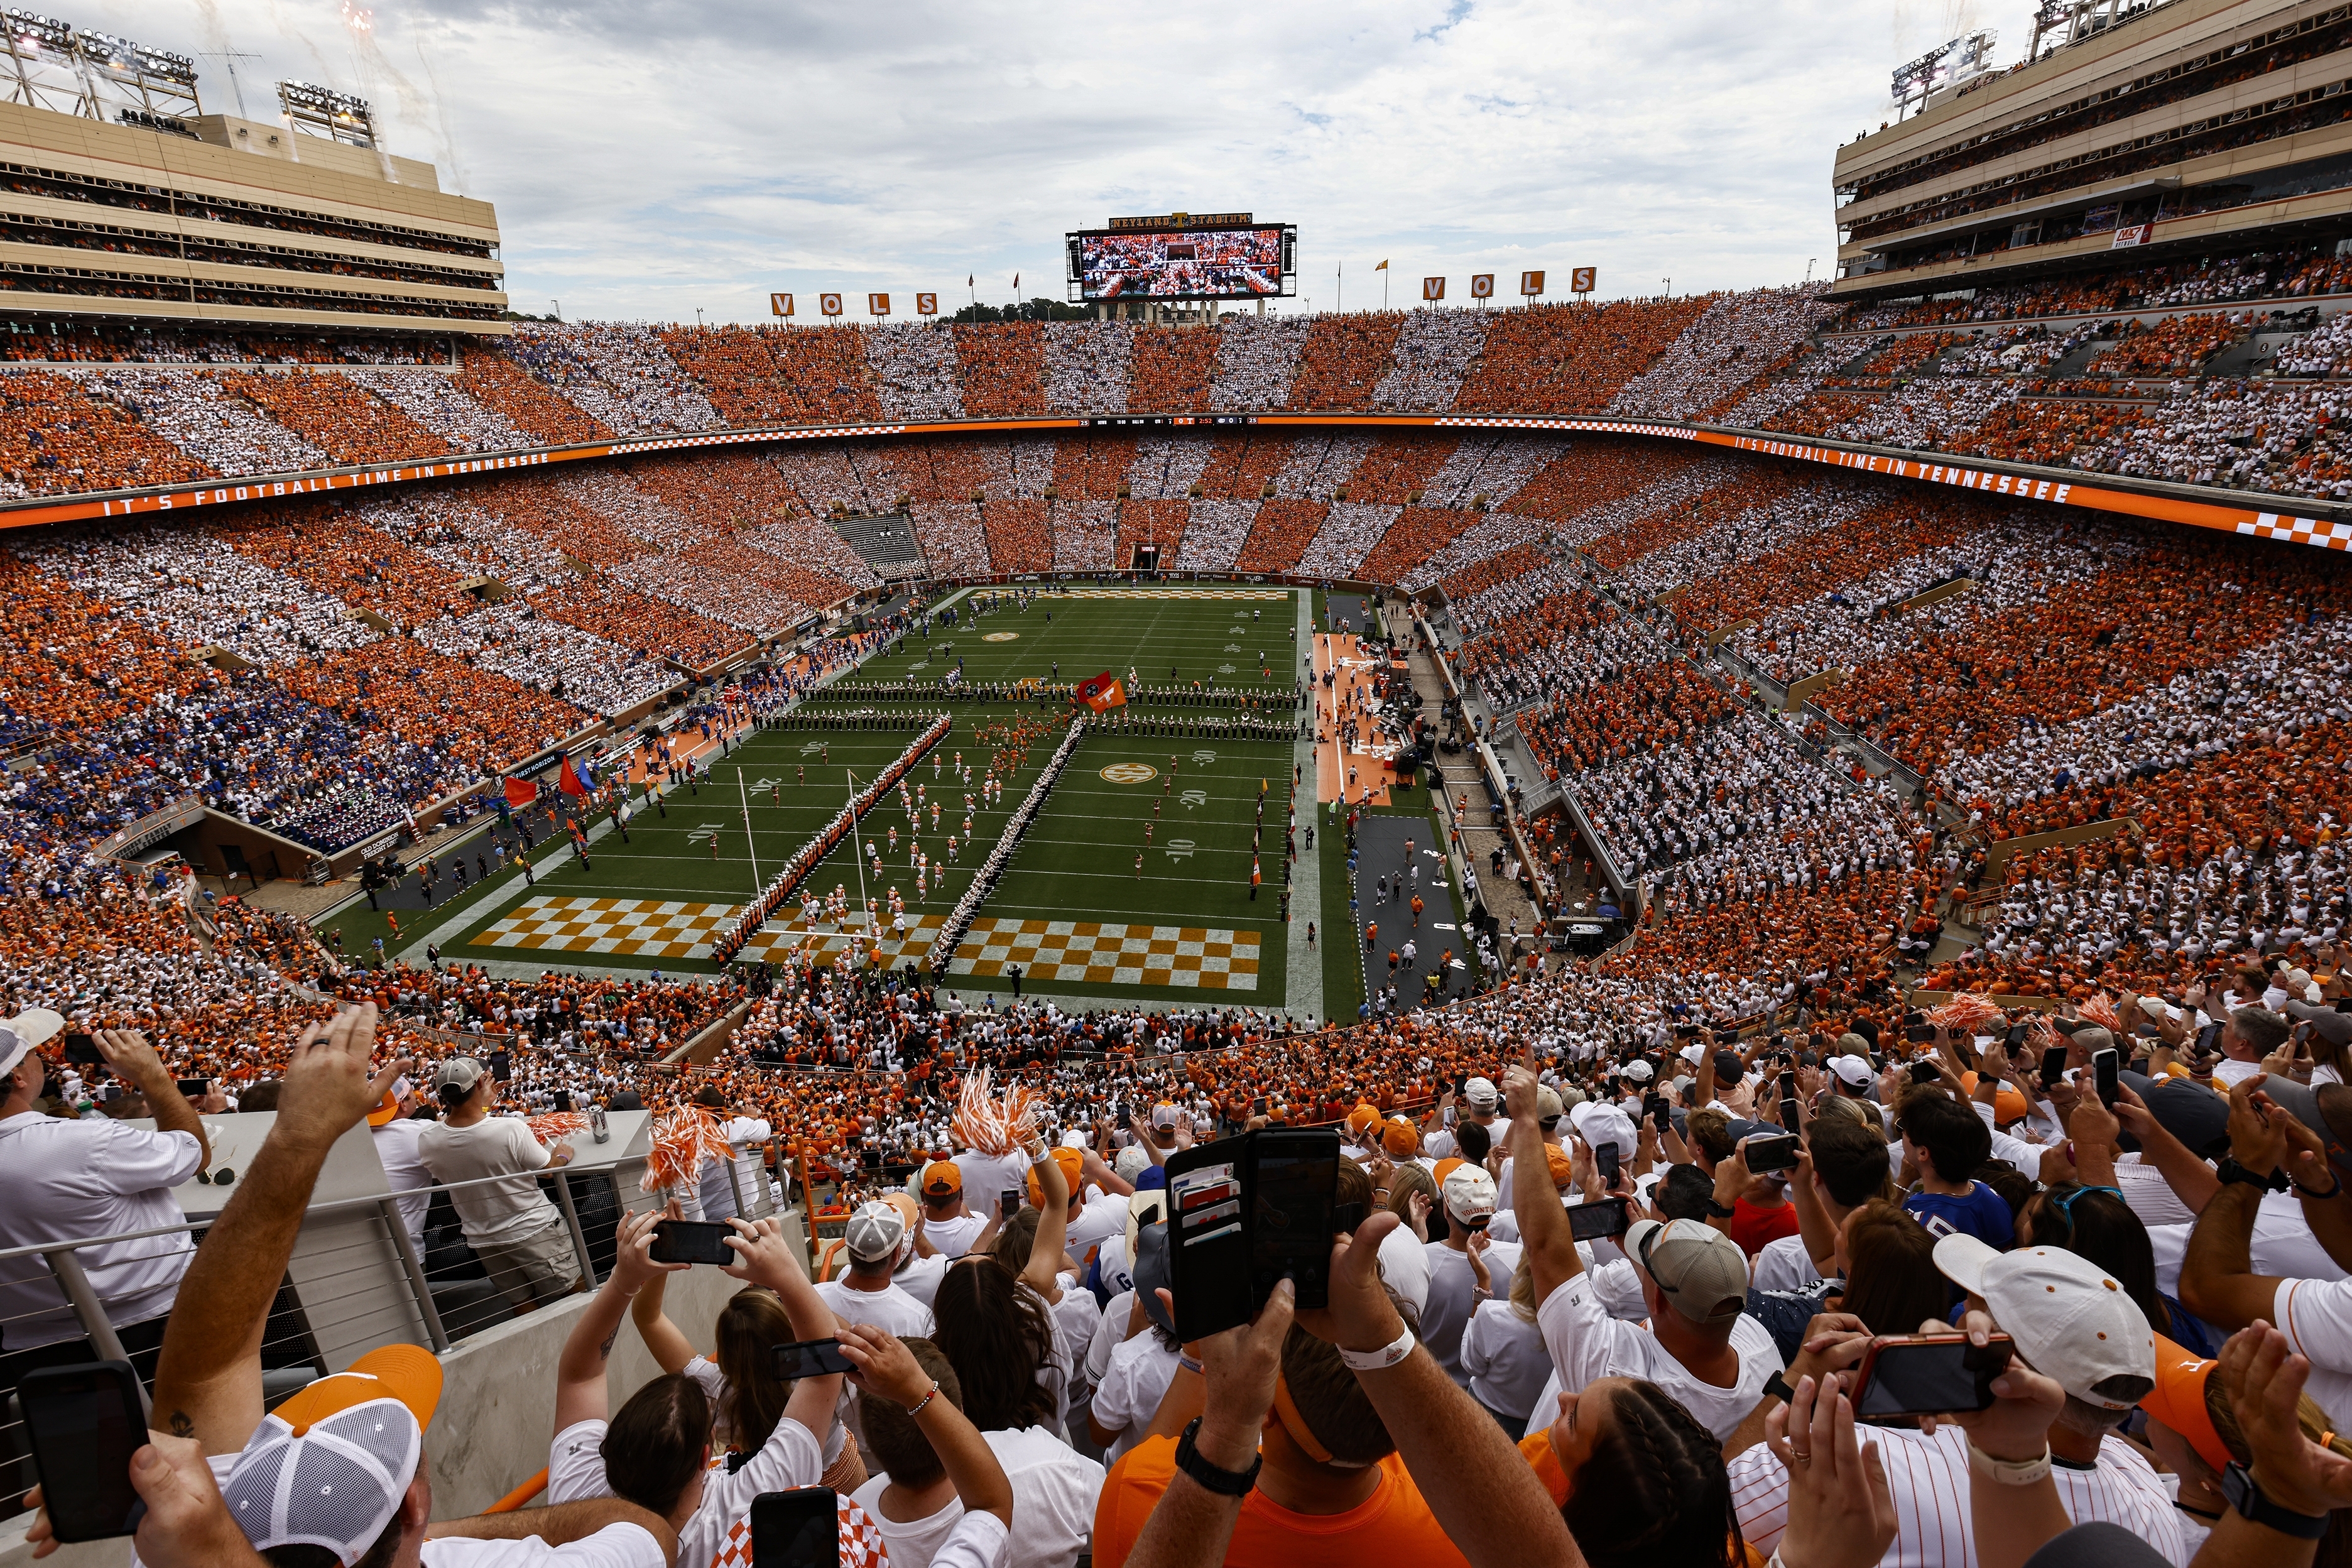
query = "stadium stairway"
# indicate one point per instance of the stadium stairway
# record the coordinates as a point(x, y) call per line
point(887, 543)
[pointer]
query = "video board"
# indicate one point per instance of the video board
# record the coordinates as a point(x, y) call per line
point(1183, 260)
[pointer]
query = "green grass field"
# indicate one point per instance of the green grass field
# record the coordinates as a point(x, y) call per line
point(641, 905)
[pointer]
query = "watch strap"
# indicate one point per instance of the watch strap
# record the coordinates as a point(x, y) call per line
point(1777, 1387)
point(2230, 1170)
point(2009, 1472)
point(1720, 1211)
point(2245, 1495)
point(1215, 1477)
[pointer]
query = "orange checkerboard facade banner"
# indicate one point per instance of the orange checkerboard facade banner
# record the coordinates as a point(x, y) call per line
point(1187, 957)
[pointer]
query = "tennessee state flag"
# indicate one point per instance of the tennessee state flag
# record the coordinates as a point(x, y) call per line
point(569, 781)
point(1101, 692)
point(521, 792)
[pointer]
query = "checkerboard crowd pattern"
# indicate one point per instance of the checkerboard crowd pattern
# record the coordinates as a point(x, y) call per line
point(638, 928)
point(1203, 957)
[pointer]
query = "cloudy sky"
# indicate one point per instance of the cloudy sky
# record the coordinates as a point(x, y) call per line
point(651, 159)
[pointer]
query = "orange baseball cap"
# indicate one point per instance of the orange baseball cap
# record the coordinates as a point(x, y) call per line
point(1399, 1139)
point(410, 1374)
point(1072, 1165)
point(2179, 1401)
point(942, 1179)
point(1555, 1159)
point(1445, 1168)
point(1362, 1119)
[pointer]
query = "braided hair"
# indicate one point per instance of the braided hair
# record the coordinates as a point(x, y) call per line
point(1655, 1493)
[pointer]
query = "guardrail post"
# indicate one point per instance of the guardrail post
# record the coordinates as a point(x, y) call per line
point(87, 1308)
point(572, 1223)
point(413, 1272)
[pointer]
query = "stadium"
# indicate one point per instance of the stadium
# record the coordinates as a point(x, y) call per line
point(826, 776)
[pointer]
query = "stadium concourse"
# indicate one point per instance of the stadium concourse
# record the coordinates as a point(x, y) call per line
point(1843, 745)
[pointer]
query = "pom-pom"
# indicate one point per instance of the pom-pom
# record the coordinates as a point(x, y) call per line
point(1968, 1011)
point(997, 1127)
point(684, 1137)
point(2102, 1012)
point(555, 1124)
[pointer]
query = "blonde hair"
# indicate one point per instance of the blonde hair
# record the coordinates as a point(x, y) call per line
point(1523, 1291)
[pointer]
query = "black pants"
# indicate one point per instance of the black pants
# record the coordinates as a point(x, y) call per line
point(142, 1343)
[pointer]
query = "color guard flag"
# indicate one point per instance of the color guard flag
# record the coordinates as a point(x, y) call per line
point(521, 792)
point(1384, 267)
point(1101, 692)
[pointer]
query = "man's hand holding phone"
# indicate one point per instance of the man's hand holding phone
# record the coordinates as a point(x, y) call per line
point(1361, 1317)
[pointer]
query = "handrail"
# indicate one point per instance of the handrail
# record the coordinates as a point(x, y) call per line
point(521, 1494)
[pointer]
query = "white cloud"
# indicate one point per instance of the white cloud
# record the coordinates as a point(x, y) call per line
point(649, 159)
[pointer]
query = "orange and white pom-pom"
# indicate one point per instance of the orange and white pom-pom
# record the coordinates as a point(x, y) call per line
point(2043, 1035)
point(997, 1127)
point(684, 1137)
point(1968, 1010)
point(2102, 1012)
point(553, 1125)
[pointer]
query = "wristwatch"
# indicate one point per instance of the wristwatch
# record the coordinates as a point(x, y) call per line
point(1718, 1210)
point(1777, 1387)
point(2239, 1486)
point(1223, 1482)
point(2230, 1170)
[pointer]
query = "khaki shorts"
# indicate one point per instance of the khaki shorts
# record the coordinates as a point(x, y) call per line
point(539, 1268)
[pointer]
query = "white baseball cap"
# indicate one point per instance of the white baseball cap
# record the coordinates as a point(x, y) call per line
point(32, 1027)
point(876, 1232)
point(1480, 1091)
point(1637, 1072)
point(329, 1467)
point(2071, 1320)
point(1855, 1070)
point(1469, 1193)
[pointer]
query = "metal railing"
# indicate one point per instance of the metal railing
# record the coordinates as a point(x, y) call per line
point(379, 1268)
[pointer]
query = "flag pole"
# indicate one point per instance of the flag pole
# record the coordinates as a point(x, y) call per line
point(745, 797)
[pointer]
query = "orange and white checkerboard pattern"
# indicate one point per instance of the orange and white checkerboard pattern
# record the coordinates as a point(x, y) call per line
point(638, 928)
point(1201, 957)
point(825, 943)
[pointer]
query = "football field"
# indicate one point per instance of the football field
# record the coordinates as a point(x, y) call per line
point(1074, 916)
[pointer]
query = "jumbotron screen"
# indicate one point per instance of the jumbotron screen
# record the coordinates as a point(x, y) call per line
point(1254, 262)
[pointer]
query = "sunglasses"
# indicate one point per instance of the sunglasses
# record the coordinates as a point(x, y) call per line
point(220, 1178)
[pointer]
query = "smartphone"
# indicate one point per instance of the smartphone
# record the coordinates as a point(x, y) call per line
point(194, 1088)
point(798, 1529)
point(81, 1048)
point(1919, 1034)
point(1918, 1376)
point(1774, 1153)
point(1605, 1158)
point(1654, 1109)
point(1789, 1116)
point(1925, 1072)
point(1008, 1202)
point(2016, 1036)
point(1347, 1218)
point(1461, 1083)
point(1593, 1221)
point(2054, 1065)
point(1294, 1180)
point(809, 1358)
point(83, 1423)
point(691, 1241)
point(503, 1067)
point(2104, 1065)
point(1788, 1086)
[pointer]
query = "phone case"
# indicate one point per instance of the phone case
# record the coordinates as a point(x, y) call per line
point(1212, 1204)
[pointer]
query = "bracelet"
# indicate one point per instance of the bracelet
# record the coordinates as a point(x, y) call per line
point(2010, 1472)
point(917, 1407)
point(2335, 1191)
point(1190, 1363)
point(1377, 1360)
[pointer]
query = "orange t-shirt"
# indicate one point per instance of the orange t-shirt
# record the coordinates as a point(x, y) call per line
point(1393, 1525)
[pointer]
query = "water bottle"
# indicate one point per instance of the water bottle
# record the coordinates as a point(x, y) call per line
point(597, 1130)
